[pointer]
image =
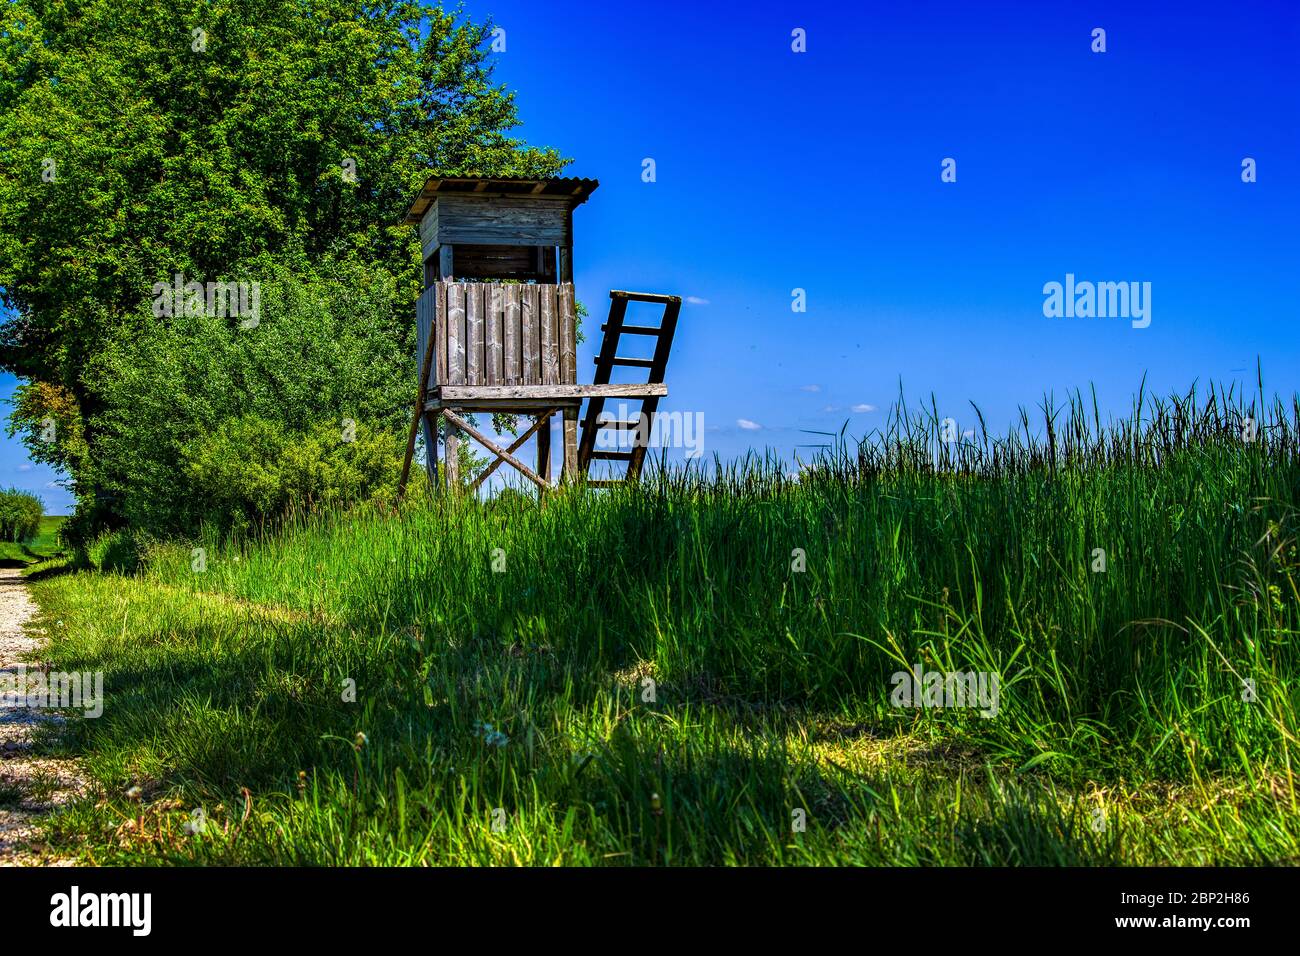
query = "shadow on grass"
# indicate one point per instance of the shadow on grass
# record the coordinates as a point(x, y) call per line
point(52, 571)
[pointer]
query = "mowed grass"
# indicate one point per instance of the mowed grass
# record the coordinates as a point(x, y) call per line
point(698, 670)
point(44, 546)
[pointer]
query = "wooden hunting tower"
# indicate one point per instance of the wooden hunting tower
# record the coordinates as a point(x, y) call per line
point(497, 325)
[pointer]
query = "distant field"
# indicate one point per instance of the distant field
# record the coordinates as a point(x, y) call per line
point(45, 545)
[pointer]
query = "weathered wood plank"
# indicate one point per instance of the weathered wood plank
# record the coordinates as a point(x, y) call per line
point(499, 322)
point(424, 321)
point(492, 333)
point(521, 406)
point(451, 456)
point(450, 393)
point(570, 470)
point(474, 372)
point(567, 321)
point(544, 450)
point(485, 220)
point(429, 231)
point(510, 342)
point(455, 334)
point(550, 336)
point(421, 395)
point(440, 335)
point(530, 337)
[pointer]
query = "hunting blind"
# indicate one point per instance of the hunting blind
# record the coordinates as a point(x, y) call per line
point(497, 330)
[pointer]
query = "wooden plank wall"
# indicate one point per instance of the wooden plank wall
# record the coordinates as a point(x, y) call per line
point(429, 231)
point(492, 333)
point(425, 310)
point(491, 220)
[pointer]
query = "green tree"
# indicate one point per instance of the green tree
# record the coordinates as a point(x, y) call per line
point(140, 139)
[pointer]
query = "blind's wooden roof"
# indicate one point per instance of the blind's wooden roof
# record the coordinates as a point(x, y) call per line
point(575, 190)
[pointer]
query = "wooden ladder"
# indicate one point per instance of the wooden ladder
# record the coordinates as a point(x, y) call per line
point(606, 359)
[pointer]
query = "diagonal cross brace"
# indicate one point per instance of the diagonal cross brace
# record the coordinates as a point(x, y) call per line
point(543, 419)
point(501, 453)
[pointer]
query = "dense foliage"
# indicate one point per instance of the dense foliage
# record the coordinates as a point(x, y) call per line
point(20, 515)
point(271, 143)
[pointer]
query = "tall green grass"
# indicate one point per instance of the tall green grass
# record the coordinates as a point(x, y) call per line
point(678, 667)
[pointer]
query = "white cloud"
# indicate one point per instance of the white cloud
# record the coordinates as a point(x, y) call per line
point(831, 408)
point(25, 466)
point(810, 388)
point(696, 300)
point(749, 426)
point(864, 407)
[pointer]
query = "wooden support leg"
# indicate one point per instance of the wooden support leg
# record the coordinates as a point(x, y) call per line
point(451, 457)
point(544, 451)
point(430, 425)
point(570, 471)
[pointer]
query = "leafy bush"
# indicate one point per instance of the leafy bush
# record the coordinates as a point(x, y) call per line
point(204, 421)
point(20, 515)
point(120, 551)
point(251, 468)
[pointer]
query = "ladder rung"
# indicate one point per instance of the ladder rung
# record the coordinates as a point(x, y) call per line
point(644, 296)
point(635, 329)
point(629, 362)
point(612, 455)
point(625, 424)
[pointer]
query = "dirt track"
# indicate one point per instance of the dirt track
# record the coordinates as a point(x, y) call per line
point(30, 784)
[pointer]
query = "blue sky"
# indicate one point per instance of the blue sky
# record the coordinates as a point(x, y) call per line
point(778, 170)
point(821, 171)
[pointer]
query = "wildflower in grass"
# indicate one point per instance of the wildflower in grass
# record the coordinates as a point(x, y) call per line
point(133, 793)
point(302, 781)
point(197, 822)
point(656, 805)
point(493, 738)
point(360, 742)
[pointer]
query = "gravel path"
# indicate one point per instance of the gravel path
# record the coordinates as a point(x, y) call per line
point(30, 785)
